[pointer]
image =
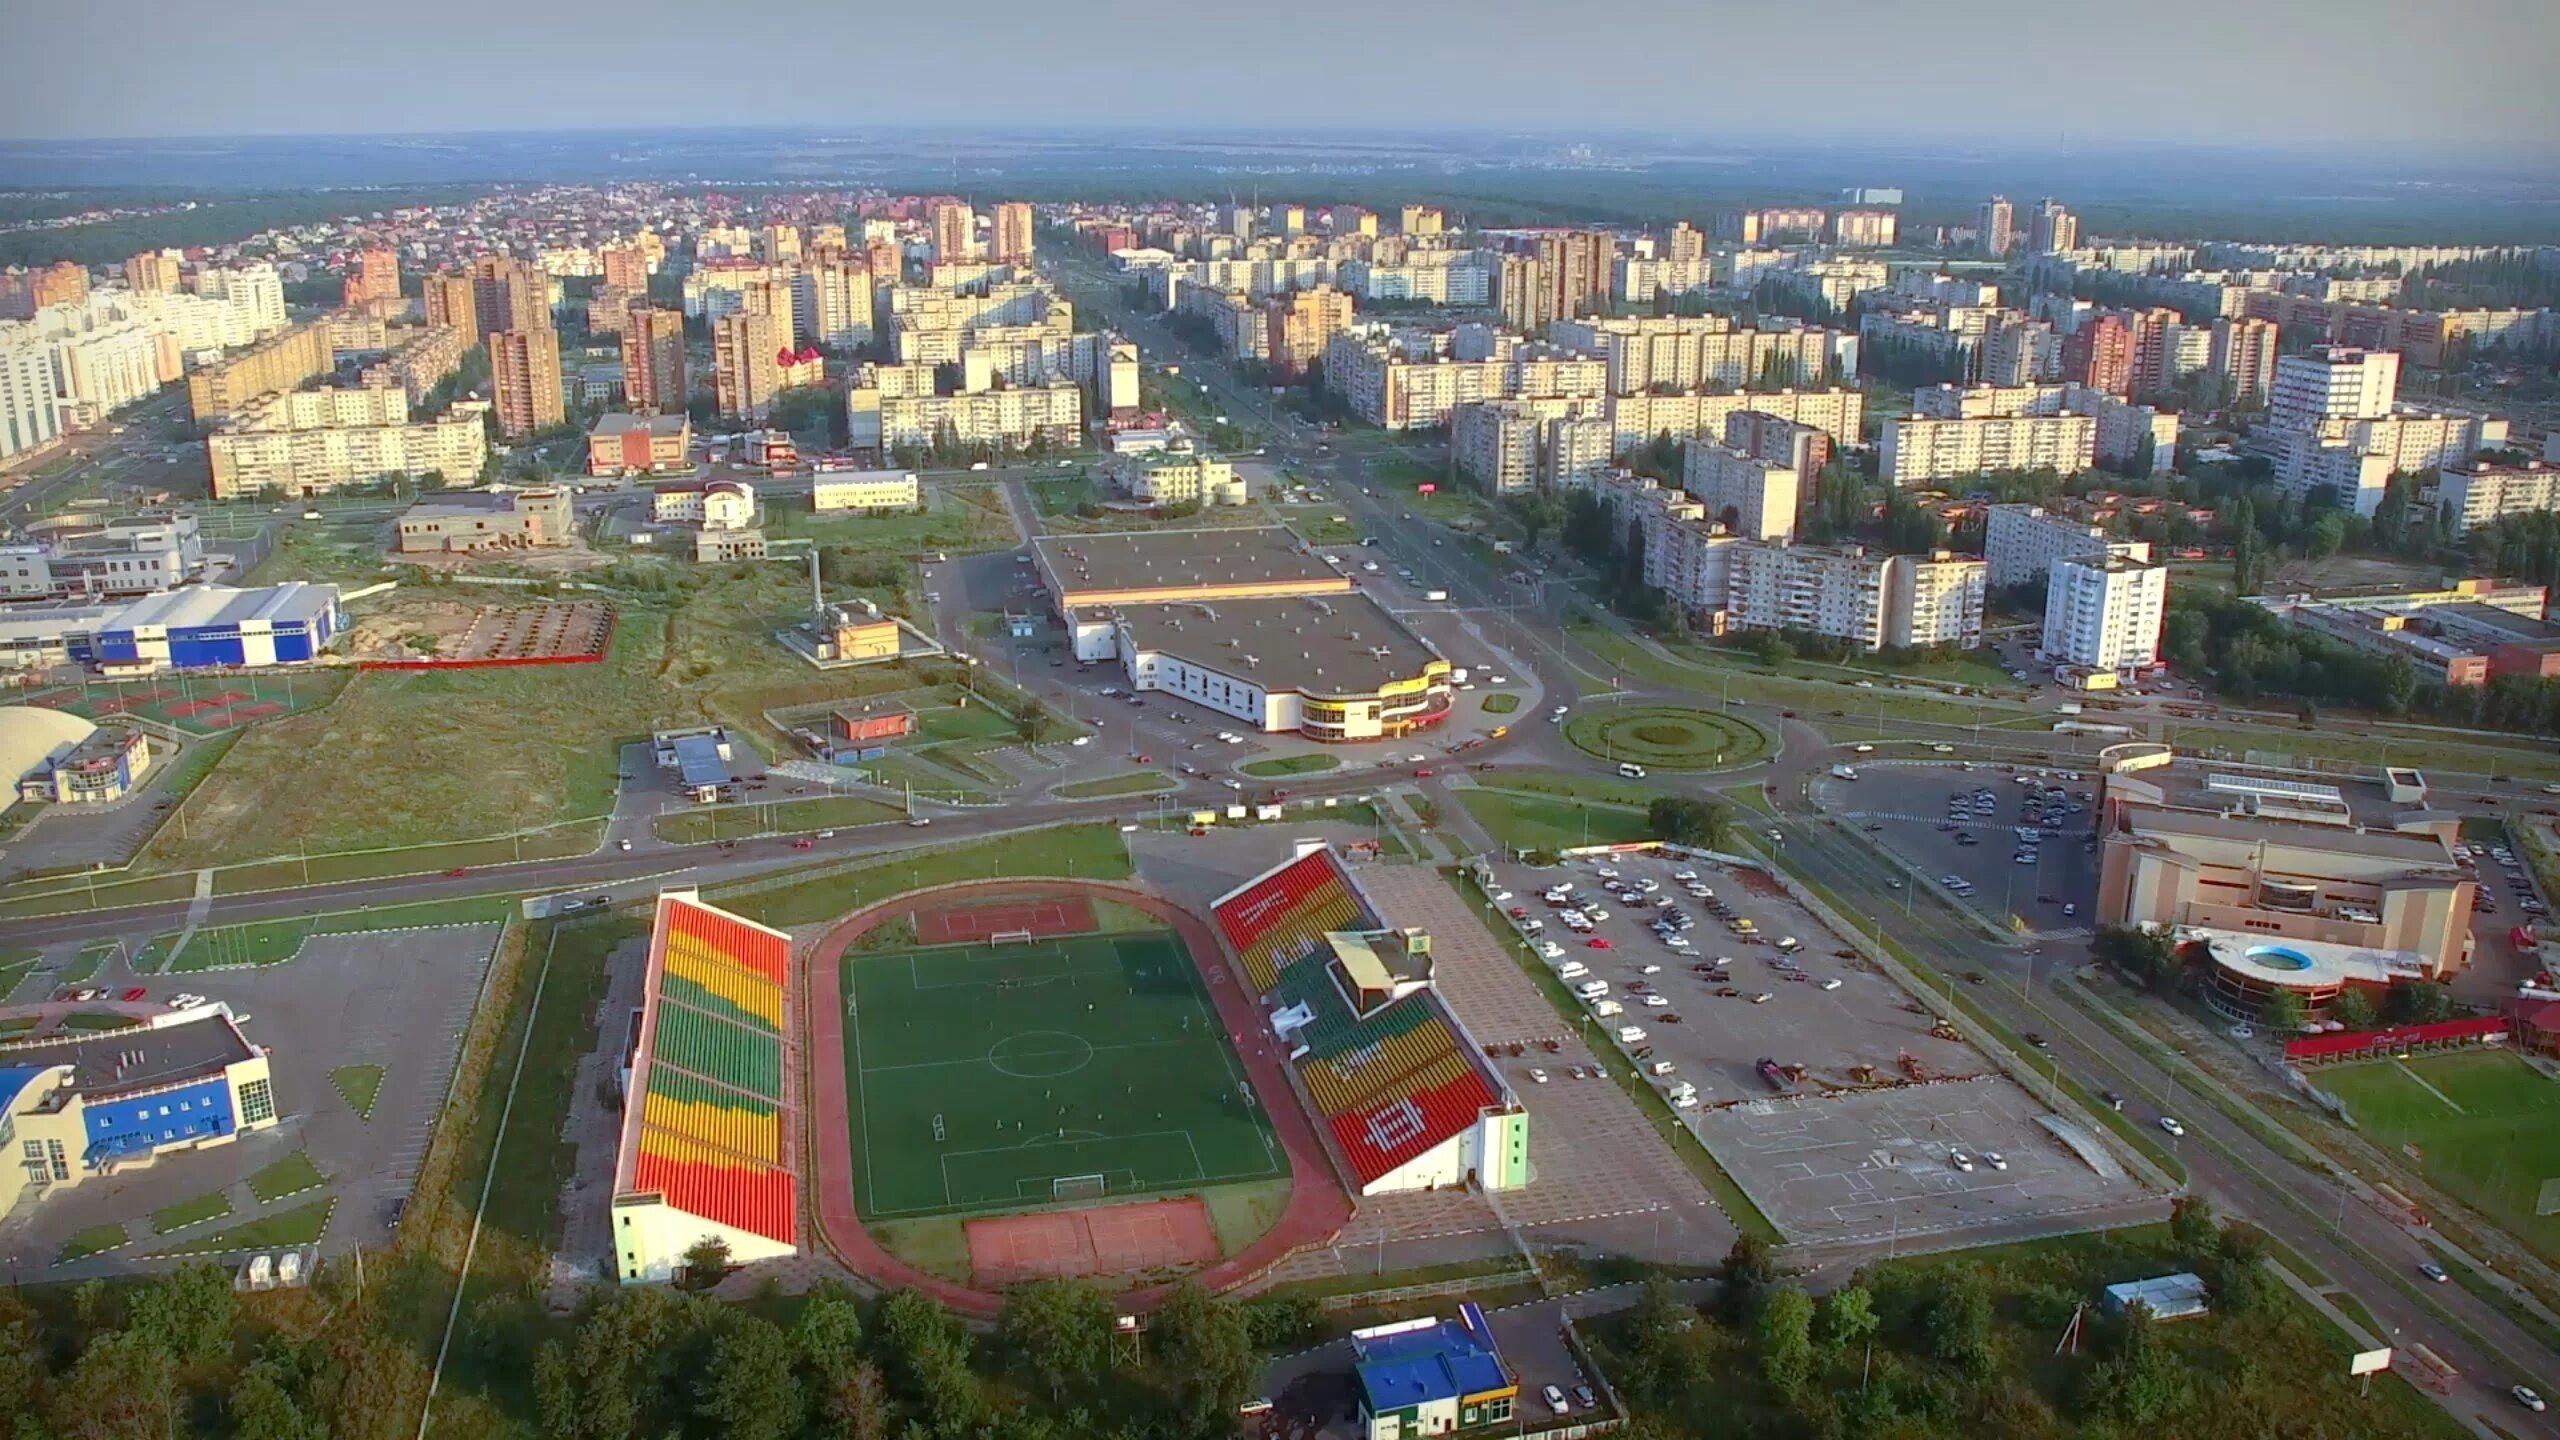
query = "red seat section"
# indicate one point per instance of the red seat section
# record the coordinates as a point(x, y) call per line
point(735, 941)
point(1377, 1138)
point(1281, 918)
point(756, 1199)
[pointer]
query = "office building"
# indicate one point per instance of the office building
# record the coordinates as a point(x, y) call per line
point(452, 301)
point(53, 757)
point(2051, 229)
point(153, 272)
point(2242, 361)
point(1747, 495)
point(2099, 354)
point(645, 444)
point(1178, 476)
point(524, 376)
point(653, 357)
point(285, 362)
point(2021, 542)
point(125, 556)
point(1995, 226)
point(2102, 613)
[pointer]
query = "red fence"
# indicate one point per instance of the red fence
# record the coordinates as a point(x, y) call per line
point(585, 659)
point(2357, 1042)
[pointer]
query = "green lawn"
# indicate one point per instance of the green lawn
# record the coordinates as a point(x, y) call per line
point(1085, 852)
point(96, 1240)
point(1314, 763)
point(1501, 702)
point(912, 770)
point(786, 817)
point(191, 1212)
point(1598, 789)
point(1520, 822)
point(291, 1175)
point(273, 942)
point(580, 837)
point(1136, 782)
point(301, 1225)
point(955, 519)
point(93, 1021)
point(2488, 1131)
point(14, 965)
point(359, 1086)
point(30, 899)
point(1672, 737)
point(1319, 524)
point(85, 966)
point(976, 1078)
point(1061, 494)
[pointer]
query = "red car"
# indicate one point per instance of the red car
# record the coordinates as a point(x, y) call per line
point(1519, 912)
point(457, 872)
point(803, 844)
point(136, 993)
point(1598, 942)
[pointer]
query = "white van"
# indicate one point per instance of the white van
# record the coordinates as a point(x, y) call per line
point(1592, 989)
point(1630, 1034)
point(1632, 772)
point(1606, 1008)
point(1572, 970)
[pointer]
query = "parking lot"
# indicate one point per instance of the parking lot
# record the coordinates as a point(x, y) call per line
point(1968, 828)
point(1866, 1118)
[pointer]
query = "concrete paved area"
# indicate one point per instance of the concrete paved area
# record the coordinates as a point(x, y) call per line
point(1904, 806)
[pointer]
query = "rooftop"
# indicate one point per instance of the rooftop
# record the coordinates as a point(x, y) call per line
point(1420, 1361)
point(2291, 963)
point(1180, 561)
point(1318, 644)
point(2412, 849)
point(204, 606)
point(620, 424)
point(2347, 800)
point(121, 1062)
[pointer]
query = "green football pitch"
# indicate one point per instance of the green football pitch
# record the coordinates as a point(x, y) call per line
point(998, 1077)
point(2486, 1125)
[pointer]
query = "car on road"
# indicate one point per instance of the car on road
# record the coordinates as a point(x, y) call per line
point(1537, 1076)
point(457, 872)
point(2434, 1272)
point(2114, 1100)
point(2527, 1398)
point(136, 993)
point(1598, 942)
point(2171, 1125)
point(1995, 1159)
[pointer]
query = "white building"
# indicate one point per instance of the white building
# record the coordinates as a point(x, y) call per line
point(2478, 492)
point(100, 366)
point(255, 291)
point(1750, 497)
point(865, 490)
point(2128, 437)
point(1850, 593)
point(2021, 542)
point(2333, 382)
point(307, 441)
point(29, 420)
point(2102, 612)
point(1918, 449)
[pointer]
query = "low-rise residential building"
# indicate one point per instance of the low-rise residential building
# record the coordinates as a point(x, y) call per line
point(839, 490)
point(1179, 476)
point(305, 442)
point(2103, 612)
point(467, 521)
point(640, 445)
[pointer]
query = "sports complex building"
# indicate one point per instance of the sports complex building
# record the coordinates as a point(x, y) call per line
point(1395, 1082)
point(199, 627)
point(710, 1129)
point(1248, 622)
point(90, 1104)
point(2283, 883)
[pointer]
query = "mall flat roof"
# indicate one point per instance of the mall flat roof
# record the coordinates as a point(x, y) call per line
point(2424, 850)
point(108, 1063)
point(1179, 561)
point(1320, 644)
point(2279, 960)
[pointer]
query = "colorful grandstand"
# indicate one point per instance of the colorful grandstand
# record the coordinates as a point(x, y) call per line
point(1400, 1087)
point(709, 1127)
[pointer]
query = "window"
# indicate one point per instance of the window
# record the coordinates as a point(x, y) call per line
point(257, 1101)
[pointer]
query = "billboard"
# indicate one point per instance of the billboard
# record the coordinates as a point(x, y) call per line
point(2365, 1362)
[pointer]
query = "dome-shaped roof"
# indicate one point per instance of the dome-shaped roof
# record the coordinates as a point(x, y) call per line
point(29, 733)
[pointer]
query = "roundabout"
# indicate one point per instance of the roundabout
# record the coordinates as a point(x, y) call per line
point(1670, 737)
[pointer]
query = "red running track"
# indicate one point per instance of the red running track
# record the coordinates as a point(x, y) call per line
point(1318, 1206)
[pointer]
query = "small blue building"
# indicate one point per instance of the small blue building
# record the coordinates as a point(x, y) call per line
point(1431, 1377)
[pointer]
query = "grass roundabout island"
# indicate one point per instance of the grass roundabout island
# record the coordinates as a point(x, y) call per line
point(1671, 737)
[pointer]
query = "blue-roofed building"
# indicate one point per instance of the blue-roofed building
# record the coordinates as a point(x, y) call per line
point(700, 757)
point(2169, 1297)
point(1431, 1377)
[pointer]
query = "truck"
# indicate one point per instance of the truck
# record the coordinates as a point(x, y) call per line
point(1775, 1078)
point(1435, 596)
point(1683, 1096)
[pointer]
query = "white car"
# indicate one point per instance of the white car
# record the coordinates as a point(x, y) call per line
point(2523, 1393)
point(1685, 877)
point(1652, 970)
point(1537, 1076)
point(1960, 1160)
point(1995, 1159)
point(1081, 740)
point(1499, 896)
point(1648, 885)
point(1595, 914)
point(1943, 749)
point(1556, 1401)
point(2170, 1124)
point(1831, 984)
point(1550, 949)
point(1656, 1001)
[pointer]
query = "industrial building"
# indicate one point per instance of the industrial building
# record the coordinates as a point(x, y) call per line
point(1248, 623)
point(1401, 1092)
point(2286, 883)
point(710, 1123)
point(200, 627)
point(640, 445)
point(2467, 633)
point(53, 757)
point(488, 520)
point(96, 1103)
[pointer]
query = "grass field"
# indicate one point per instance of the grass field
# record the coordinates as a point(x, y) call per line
point(1319, 524)
point(954, 519)
point(301, 1225)
point(290, 1175)
point(1136, 782)
point(212, 1206)
point(1309, 764)
point(1524, 822)
point(96, 1240)
point(1673, 737)
point(360, 1086)
point(2486, 1124)
point(273, 942)
point(976, 1079)
point(805, 897)
point(1501, 702)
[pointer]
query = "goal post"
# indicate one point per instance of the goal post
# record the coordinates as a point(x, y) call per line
point(1010, 937)
point(1078, 1187)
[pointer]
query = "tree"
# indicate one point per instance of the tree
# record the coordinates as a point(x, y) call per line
point(828, 1334)
point(1278, 1322)
point(188, 1313)
point(2353, 1009)
point(1786, 1339)
point(2283, 1012)
point(2416, 1002)
point(2193, 1227)
point(262, 1407)
point(1665, 1357)
point(124, 1387)
point(2140, 1383)
point(853, 1406)
point(1699, 824)
point(1847, 1317)
point(1955, 1325)
point(1031, 720)
point(706, 1263)
point(1203, 1348)
point(1747, 1270)
point(1062, 1331)
point(749, 1391)
point(927, 1353)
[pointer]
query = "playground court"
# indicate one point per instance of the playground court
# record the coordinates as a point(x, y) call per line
point(1105, 1240)
point(1040, 1072)
point(967, 924)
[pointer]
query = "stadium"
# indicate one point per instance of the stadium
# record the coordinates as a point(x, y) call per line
point(1012, 1080)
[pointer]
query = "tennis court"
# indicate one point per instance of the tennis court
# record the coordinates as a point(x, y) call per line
point(1004, 1076)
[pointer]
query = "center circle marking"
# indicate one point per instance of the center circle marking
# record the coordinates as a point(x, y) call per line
point(1040, 1054)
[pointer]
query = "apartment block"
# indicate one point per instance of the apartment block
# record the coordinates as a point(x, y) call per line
point(1509, 446)
point(1865, 229)
point(893, 407)
point(509, 294)
point(744, 372)
point(1804, 449)
point(832, 301)
point(2332, 382)
point(417, 362)
point(2128, 437)
point(1413, 381)
point(953, 226)
point(2099, 355)
point(1012, 233)
point(100, 365)
point(1995, 226)
point(2243, 359)
point(524, 376)
point(1920, 449)
point(1747, 495)
point(153, 272)
point(451, 301)
point(256, 290)
point(223, 388)
point(1850, 593)
point(29, 423)
point(1636, 419)
point(653, 361)
point(1688, 352)
point(305, 442)
point(2021, 542)
point(2103, 612)
point(2480, 492)
point(2052, 229)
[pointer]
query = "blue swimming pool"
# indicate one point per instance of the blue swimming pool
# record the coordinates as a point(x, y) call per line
point(2278, 957)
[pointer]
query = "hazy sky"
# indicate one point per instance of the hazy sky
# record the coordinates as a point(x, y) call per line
point(2276, 72)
